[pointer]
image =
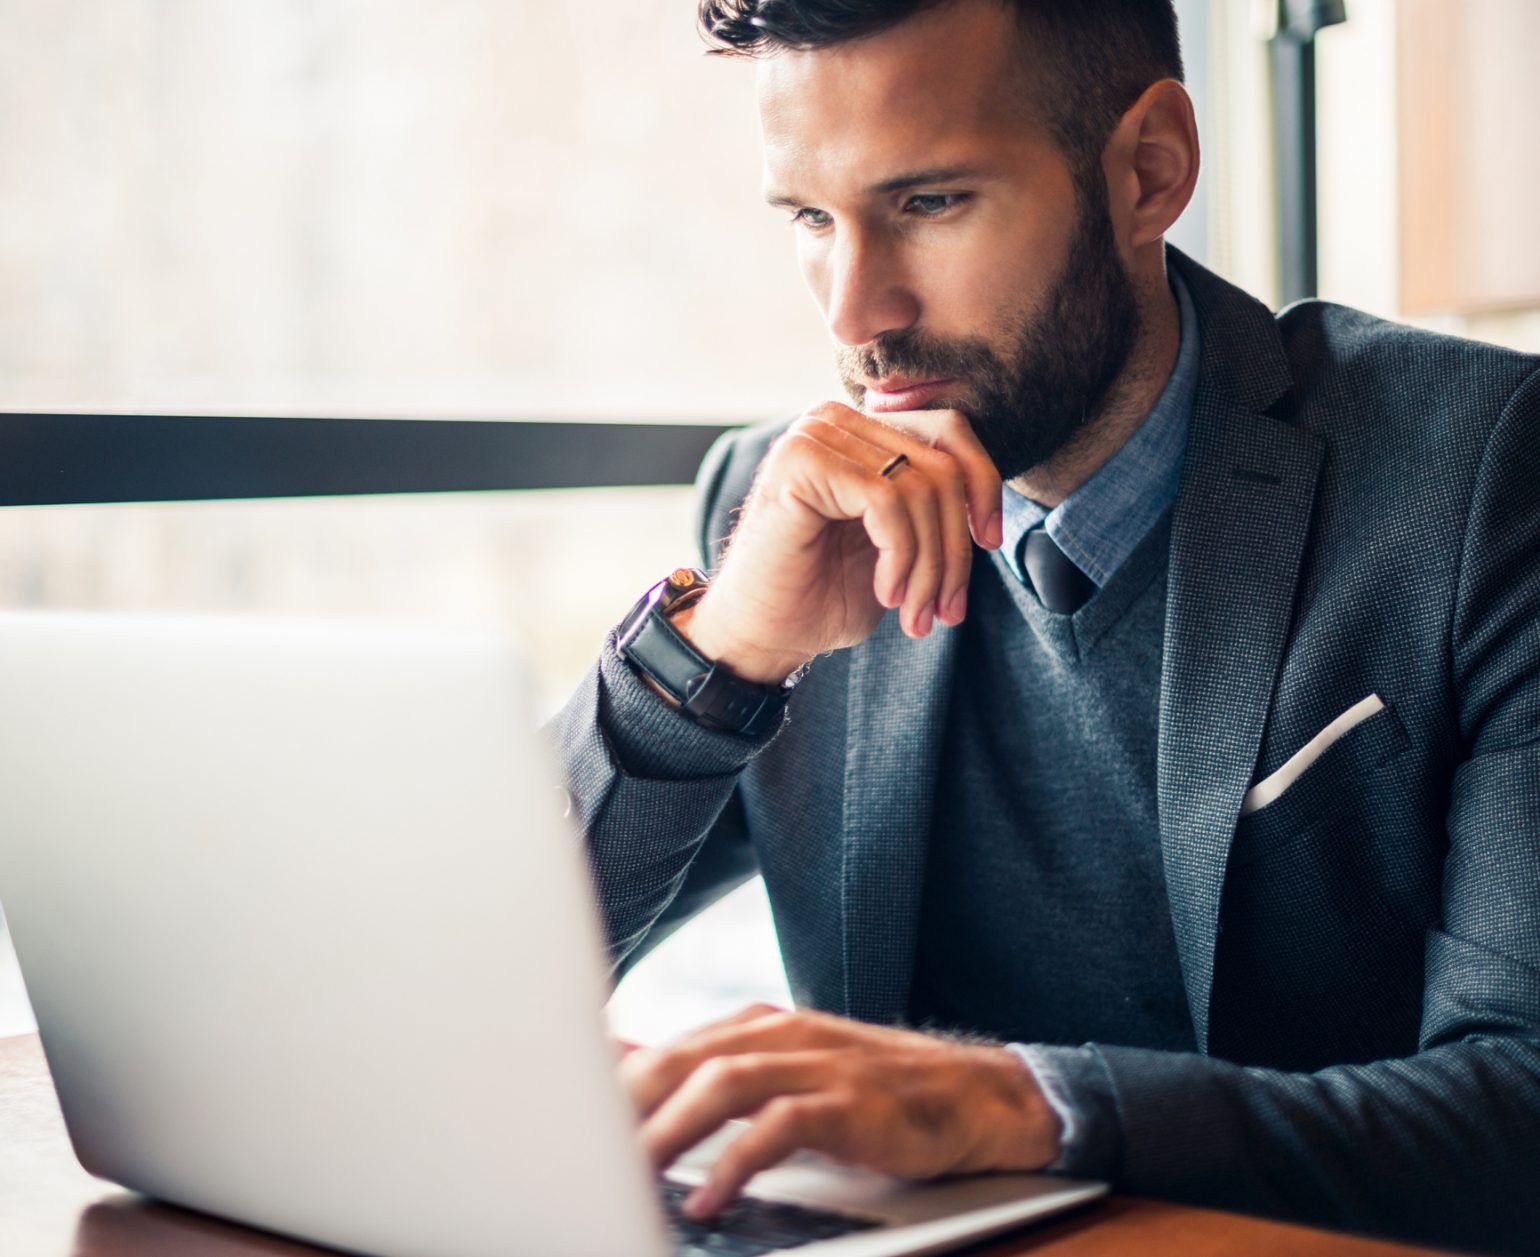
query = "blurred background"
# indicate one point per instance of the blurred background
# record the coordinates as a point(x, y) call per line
point(506, 211)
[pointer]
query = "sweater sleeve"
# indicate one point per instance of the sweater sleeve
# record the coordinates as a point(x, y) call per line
point(650, 787)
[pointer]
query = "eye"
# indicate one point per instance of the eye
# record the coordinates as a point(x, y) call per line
point(812, 219)
point(934, 204)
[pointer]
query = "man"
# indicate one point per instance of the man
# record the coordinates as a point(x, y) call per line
point(1193, 780)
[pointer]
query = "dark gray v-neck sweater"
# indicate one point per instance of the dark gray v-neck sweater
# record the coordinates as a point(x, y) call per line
point(1044, 916)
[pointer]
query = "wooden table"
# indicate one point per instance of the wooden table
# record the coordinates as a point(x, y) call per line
point(50, 1207)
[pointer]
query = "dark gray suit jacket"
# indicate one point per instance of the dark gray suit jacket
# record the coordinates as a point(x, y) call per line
point(1359, 514)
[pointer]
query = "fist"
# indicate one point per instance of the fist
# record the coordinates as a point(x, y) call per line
point(827, 542)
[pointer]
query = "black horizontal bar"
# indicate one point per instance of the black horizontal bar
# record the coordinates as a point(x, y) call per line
point(56, 459)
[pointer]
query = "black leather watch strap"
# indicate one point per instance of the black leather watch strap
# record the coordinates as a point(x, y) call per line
point(705, 691)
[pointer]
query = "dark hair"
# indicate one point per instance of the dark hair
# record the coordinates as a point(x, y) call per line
point(1094, 58)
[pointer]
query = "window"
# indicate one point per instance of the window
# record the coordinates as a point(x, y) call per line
point(477, 211)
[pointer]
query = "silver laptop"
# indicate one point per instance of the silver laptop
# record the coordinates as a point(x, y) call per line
point(311, 947)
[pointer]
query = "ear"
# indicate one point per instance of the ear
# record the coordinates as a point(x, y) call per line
point(1152, 164)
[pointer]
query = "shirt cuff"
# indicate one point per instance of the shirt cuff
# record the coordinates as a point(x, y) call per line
point(1075, 1084)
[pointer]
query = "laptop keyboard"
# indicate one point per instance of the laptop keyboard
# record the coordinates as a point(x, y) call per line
point(749, 1227)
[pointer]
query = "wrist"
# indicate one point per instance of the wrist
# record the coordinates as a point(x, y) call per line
point(698, 625)
point(1028, 1138)
point(703, 689)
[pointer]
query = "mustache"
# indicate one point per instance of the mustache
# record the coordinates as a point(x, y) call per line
point(913, 353)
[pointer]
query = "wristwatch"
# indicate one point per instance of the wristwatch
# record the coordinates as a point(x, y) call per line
point(704, 690)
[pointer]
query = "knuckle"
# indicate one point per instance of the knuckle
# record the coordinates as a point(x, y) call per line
point(783, 1113)
point(920, 455)
point(844, 1097)
point(778, 1020)
point(749, 1065)
point(793, 444)
point(828, 410)
point(805, 425)
point(941, 463)
point(930, 559)
point(658, 1062)
point(715, 1074)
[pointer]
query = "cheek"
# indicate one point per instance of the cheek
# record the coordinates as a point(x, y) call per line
point(982, 280)
point(813, 263)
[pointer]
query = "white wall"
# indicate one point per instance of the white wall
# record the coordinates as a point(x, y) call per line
point(465, 207)
point(1359, 133)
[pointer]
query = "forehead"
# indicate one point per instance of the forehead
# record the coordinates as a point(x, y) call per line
point(947, 87)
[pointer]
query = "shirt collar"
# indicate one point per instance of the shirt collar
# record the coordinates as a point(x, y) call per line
point(1099, 525)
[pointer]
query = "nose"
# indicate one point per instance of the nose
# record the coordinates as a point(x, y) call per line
point(863, 290)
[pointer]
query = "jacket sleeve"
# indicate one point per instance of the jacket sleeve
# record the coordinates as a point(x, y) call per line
point(655, 793)
point(1442, 1146)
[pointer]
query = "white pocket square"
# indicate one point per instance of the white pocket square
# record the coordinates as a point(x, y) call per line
point(1273, 785)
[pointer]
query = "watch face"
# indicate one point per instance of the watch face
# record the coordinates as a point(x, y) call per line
point(683, 586)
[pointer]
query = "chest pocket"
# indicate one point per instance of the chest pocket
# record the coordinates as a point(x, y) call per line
point(1336, 784)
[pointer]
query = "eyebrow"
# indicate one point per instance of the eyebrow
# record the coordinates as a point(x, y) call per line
point(898, 183)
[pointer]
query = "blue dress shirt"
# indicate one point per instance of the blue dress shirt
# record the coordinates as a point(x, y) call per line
point(1100, 523)
point(1098, 526)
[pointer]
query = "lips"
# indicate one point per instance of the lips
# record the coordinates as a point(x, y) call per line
point(897, 393)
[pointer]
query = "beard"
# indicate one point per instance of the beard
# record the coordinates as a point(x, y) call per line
point(1062, 363)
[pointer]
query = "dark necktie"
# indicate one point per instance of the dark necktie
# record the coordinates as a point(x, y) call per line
point(1062, 587)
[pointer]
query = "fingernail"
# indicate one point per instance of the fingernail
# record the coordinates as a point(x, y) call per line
point(927, 621)
point(996, 531)
point(959, 606)
point(698, 1203)
point(898, 598)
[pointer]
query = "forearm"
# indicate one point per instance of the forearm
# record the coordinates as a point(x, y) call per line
point(647, 786)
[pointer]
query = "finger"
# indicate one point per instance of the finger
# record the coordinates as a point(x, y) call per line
point(873, 447)
point(929, 565)
point(746, 1015)
point(950, 431)
point(956, 549)
point(869, 444)
point(834, 486)
point(723, 1088)
point(651, 1076)
point(785, 1125)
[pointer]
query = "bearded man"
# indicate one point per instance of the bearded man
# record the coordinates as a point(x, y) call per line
point(1130, 698)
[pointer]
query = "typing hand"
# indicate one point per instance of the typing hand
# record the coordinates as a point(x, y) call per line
point(827, 542)
point(897, 1101)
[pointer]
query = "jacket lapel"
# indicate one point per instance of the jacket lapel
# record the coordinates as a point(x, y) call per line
point(1238, 539)
point(898, 697)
